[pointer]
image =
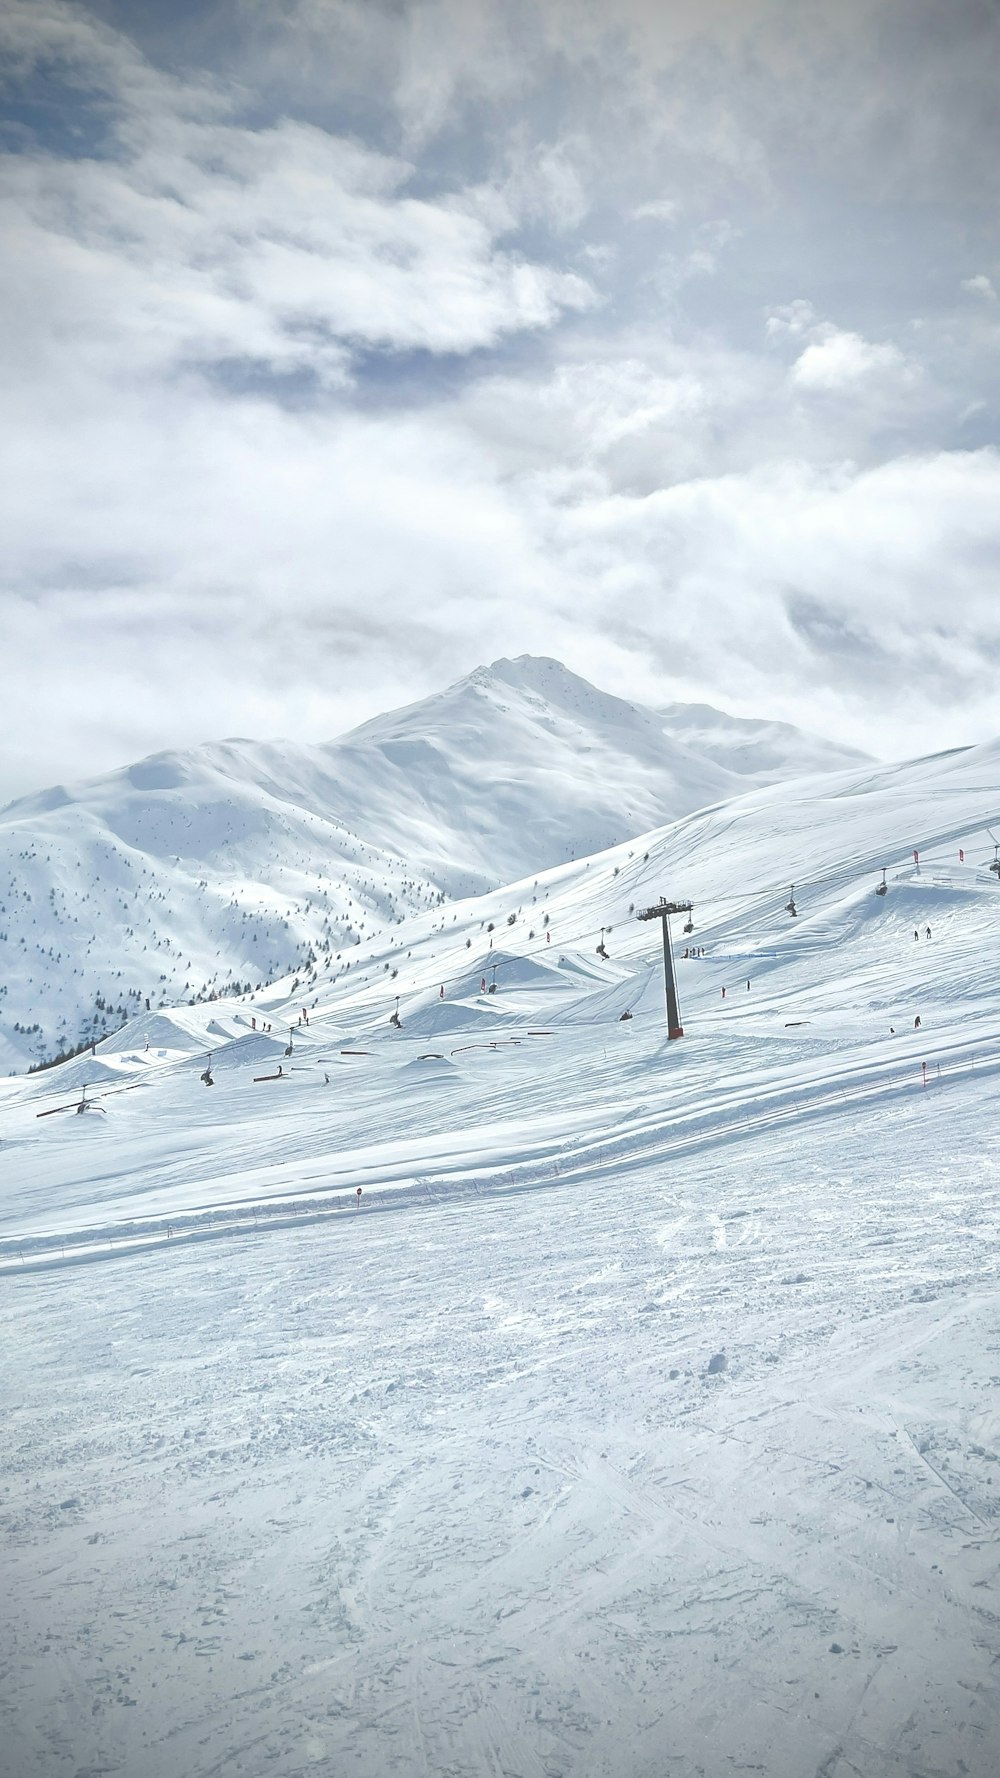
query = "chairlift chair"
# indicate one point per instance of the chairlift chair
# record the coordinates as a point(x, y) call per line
point(689, 922)
point(790, 907)
point(883, 888)
point(394, 1018)
point(995, 866)
point(601, 952)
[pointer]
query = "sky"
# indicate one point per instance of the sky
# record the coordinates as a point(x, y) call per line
point(348, 344)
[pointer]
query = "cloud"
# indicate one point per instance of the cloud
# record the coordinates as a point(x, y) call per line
point(205, 240)
point(858, 594)
point(842, 360)
point(345, 346)
point(657, 210)
point(794, 319)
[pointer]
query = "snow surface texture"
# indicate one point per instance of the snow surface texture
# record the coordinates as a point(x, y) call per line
point(190, 874)
point(642, 1416)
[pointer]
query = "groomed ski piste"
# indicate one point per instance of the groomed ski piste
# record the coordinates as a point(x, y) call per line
point(640, 1416)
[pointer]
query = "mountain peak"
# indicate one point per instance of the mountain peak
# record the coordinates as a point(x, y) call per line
point(191, 870)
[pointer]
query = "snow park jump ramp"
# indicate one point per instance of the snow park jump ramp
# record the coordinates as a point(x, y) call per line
point(639, 1416)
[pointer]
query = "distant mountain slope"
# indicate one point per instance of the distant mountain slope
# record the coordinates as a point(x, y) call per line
point(761, 752)
point(523, 765)
point(238, 861)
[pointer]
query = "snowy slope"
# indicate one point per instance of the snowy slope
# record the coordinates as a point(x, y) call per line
point(187, 873)
point(523, 764)
point(759, 751)
point(642, 1415)
point(178, 877)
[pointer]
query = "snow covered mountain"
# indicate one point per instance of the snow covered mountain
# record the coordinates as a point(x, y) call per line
point(190, 873)
point(759, 752)
point(523, 764)
point(641, 1413)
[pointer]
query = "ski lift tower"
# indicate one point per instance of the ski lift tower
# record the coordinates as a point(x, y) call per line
point(662, 911)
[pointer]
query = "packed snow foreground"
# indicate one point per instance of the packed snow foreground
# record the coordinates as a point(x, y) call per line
point(639, 1417)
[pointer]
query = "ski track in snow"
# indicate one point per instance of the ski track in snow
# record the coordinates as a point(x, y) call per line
point(454, 1491)
point(641, 1420)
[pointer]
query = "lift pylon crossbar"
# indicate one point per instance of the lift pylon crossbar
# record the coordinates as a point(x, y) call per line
point(661, 912)
point(665, 907)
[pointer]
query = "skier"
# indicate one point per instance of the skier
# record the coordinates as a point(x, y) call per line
point(482, 984)
point(723, 993)
point(748, 987)
point(359, 1197)
point(916, 1023)
point(916, 934)
point(927, 932)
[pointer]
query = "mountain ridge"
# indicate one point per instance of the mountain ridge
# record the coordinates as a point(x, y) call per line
point(190, 872)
